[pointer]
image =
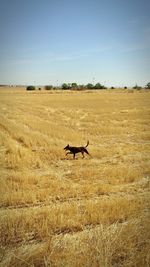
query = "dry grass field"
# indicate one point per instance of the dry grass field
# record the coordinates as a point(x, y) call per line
point(56, 211)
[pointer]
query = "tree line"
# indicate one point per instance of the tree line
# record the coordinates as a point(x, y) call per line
point(75, 86)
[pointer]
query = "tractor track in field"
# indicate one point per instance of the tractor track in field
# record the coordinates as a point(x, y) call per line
point(33, 238)
point(60, 200)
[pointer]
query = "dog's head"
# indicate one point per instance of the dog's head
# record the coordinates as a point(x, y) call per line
point(66, 147)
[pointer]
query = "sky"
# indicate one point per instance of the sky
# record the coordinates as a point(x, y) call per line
point(46, 42)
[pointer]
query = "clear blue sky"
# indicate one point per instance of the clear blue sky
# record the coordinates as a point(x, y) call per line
point(51, 42)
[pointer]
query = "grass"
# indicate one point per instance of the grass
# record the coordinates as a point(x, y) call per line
point(56, 211)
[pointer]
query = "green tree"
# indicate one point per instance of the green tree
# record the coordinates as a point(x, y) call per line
point(137, 87)
point(30, 88)
point(148, 86)
point(99, 86)
point(48, 87)
point(65, 86)
point(81, 86)
point(74, 86)
point(89, 86)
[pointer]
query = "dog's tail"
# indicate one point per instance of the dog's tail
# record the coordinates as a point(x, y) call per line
point(87, 143)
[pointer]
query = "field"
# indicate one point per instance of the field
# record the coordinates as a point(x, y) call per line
point(56, 211)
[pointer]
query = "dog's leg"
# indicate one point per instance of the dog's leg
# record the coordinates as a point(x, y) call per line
point(82, 155)
point(74, 155)
point(68, 153)
point(87, 152)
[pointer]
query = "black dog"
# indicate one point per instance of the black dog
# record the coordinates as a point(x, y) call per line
point(74, 150)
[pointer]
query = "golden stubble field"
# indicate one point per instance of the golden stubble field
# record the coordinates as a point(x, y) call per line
point(56, 211)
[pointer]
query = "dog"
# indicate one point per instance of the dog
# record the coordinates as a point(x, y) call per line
point(74, 150)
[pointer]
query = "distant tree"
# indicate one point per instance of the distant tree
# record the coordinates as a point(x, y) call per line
point(39, 88)
point(65, 86)
point(125, 87)
point(48, 87)
point(137, 87)
point(99, 86)
point(112, 87)
point(89, 86)
point(30, 88)
point(148, 86)
point(81, 87)
point(74, 86)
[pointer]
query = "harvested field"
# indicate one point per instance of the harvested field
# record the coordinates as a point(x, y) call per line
point(56, 211)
